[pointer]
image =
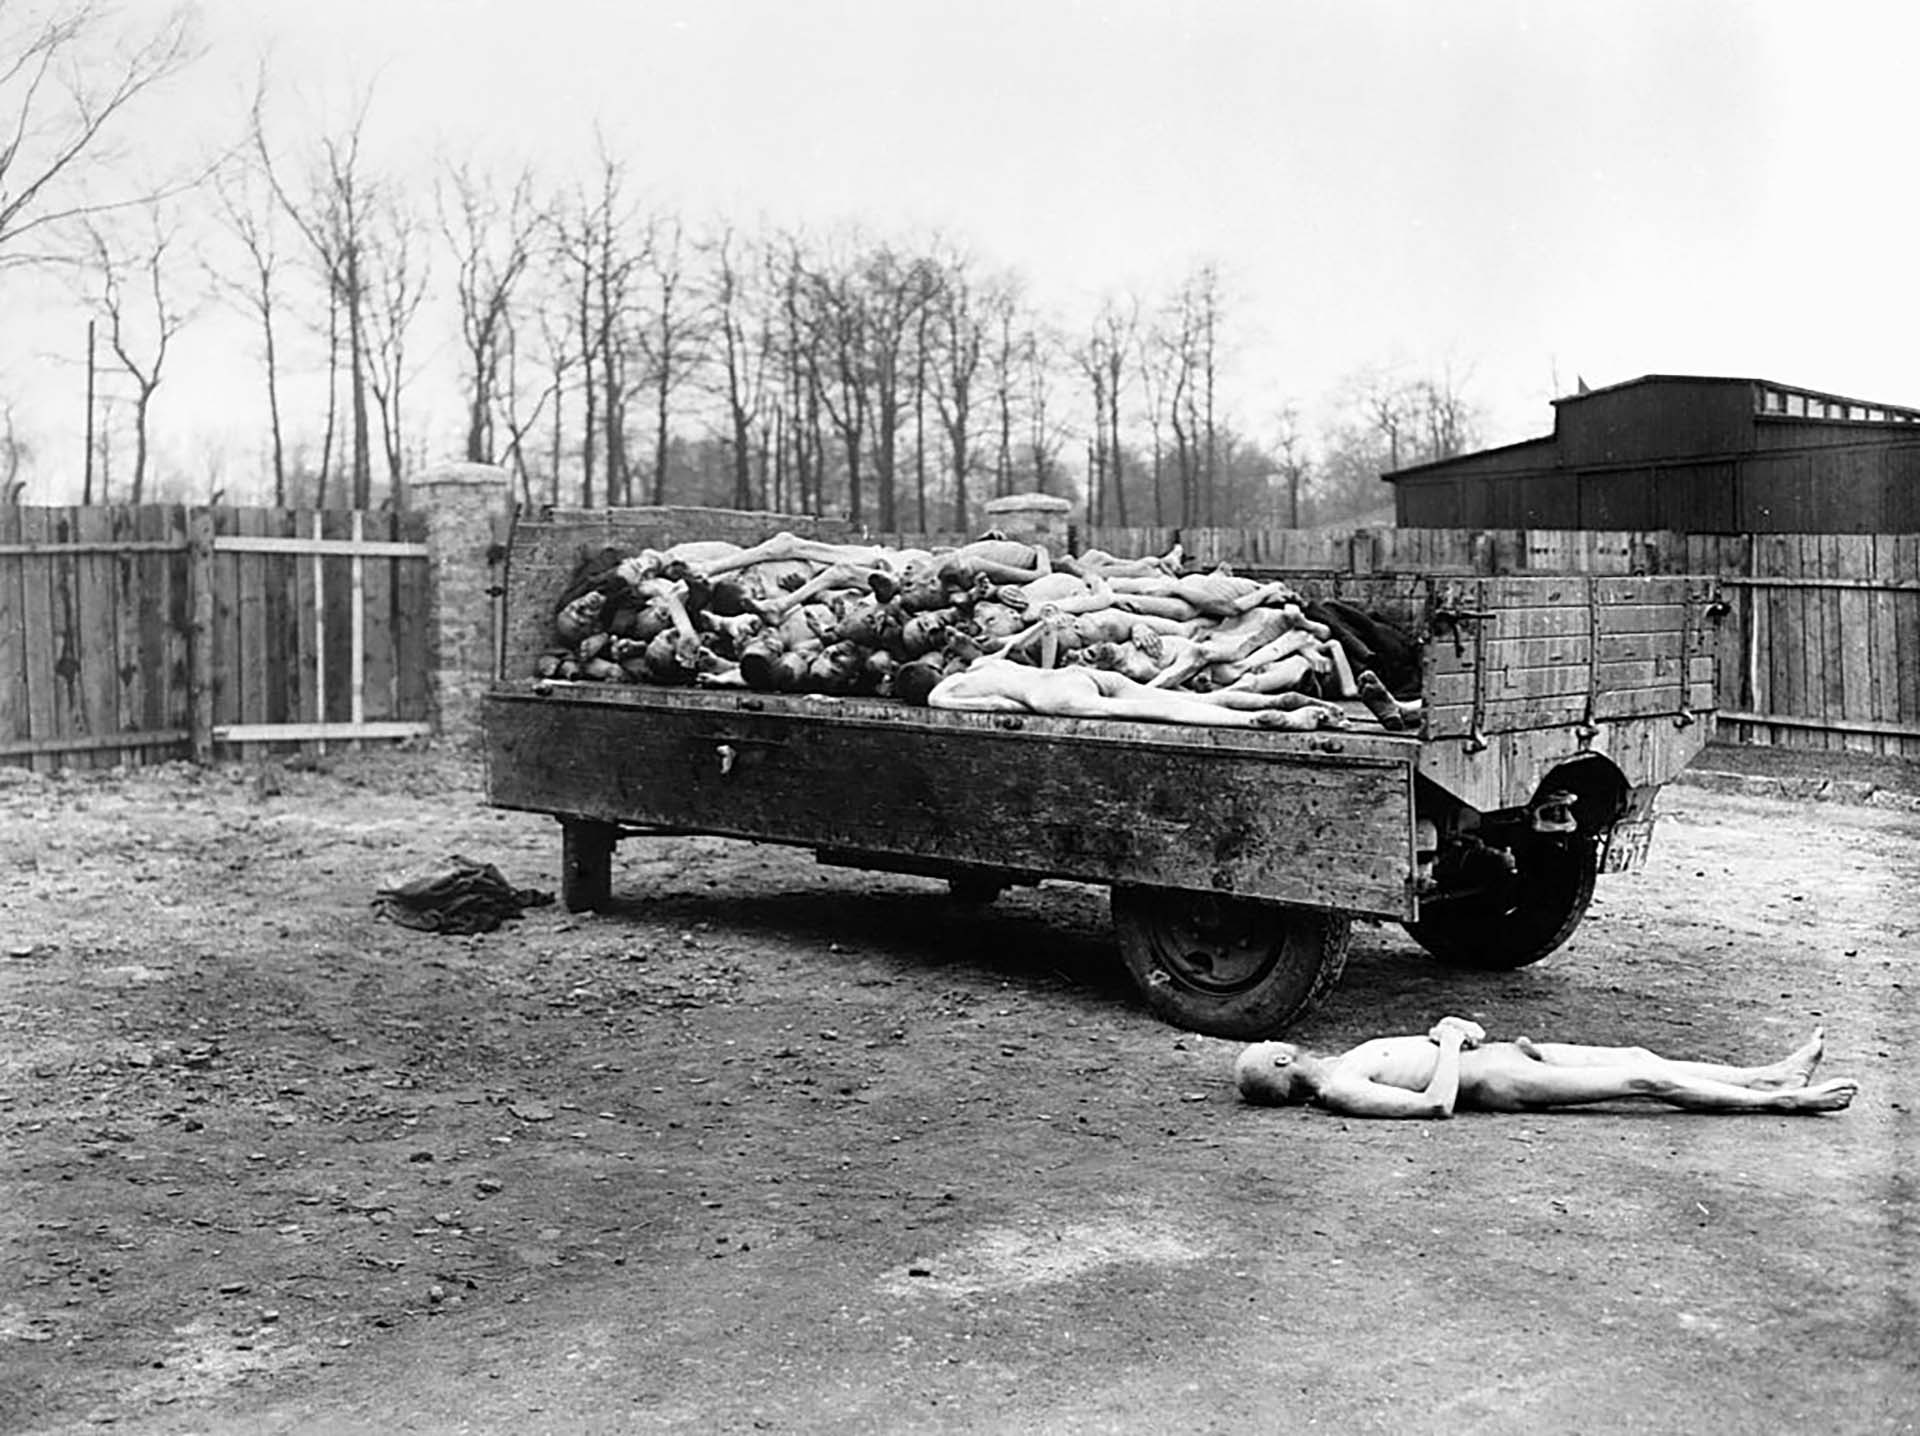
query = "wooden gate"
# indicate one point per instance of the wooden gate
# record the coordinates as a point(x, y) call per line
point(137, 634)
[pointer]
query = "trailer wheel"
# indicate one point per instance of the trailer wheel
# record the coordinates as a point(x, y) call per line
point(1536, 913)
point(1226, 966)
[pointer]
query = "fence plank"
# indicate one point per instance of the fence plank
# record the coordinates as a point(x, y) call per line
point(1785, 620)
point(69, 706)
point(251, 662)
point(1884, 677)
point(145, 606)
point(1906, 622)
point(377, 599)
point(15, 722)
point(203, 644)
point(1729, 557)
point(1850, 556)
point(306, 570)
point(1827, 655)
point(131, 575)
point(176, 637)
point(276, 630)
point(1762, 693)
point(222, 676)
point(97, 701)
point(410, 599)
point(337, 612)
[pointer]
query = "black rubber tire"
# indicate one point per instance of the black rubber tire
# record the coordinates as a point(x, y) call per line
point(1553, 888)
point(1226, 966)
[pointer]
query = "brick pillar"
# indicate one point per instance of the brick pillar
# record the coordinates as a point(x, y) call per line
point(462, 504)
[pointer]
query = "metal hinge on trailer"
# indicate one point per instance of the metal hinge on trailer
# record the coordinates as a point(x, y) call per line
point(1589, 729)
point(1683, 713)
point(1714, 609)
point(1447, 613)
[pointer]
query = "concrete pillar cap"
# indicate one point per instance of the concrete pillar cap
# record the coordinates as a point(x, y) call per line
point(1045, 503)
point(491, 475)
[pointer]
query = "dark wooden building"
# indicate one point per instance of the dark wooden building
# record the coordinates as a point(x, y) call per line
point(1695, 454)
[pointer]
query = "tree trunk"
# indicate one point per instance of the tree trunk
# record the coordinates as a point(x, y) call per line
point(357, 379)
point(142, 399)
point(660, 444)
point(275, 427)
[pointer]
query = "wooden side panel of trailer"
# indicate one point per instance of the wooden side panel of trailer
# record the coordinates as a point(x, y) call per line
point(1521, 675)
point(1318, 819)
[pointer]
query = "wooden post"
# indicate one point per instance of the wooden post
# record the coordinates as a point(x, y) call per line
point(200, 636)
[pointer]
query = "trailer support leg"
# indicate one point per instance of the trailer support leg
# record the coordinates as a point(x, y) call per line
point(586, 863)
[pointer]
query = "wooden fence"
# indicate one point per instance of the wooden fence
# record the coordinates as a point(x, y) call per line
point(141, 633)
point(137, 634)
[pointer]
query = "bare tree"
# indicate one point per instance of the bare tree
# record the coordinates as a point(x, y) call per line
point(1158, 377)
point(962, 331)
point(837, 332)
point(491, 239)
point(332, 213)
point(1046, 436)
point(1103, 359)
point(70, 80)
point(1119, 322)
point(743, 360)
point(396, 272)
point(1450, 422)
point(1290, 453)
point(1003, 376)
point(612, 287)
point(1203, 290)
point(1179, 342)
point(1388, 405)
point(15, 452)
point(1186, 341)
point(802, 438)
point(559, 357)
point(131, 286)
point(599, 244)
point(250, 217)
point(672, 339)
point(893, 290)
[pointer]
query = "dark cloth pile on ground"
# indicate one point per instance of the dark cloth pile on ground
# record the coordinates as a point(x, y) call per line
point(466, 897)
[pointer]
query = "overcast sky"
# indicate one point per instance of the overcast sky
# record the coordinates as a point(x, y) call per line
point(1525, 193)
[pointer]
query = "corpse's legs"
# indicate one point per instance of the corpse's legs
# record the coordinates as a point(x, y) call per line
point(1796, 1069)
point(1542, 1075)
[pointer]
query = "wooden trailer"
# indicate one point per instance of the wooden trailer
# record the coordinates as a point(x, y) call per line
point(1554, 710)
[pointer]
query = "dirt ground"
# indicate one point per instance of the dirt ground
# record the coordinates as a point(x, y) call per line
point(778, 1147)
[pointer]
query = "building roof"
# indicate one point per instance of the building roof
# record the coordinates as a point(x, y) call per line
point(1766, 385)
point(1774, 401)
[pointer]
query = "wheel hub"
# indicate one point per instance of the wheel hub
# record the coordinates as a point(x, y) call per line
point(1216, 944)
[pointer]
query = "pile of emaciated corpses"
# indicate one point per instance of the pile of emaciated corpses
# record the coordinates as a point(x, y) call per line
point(794, 615)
